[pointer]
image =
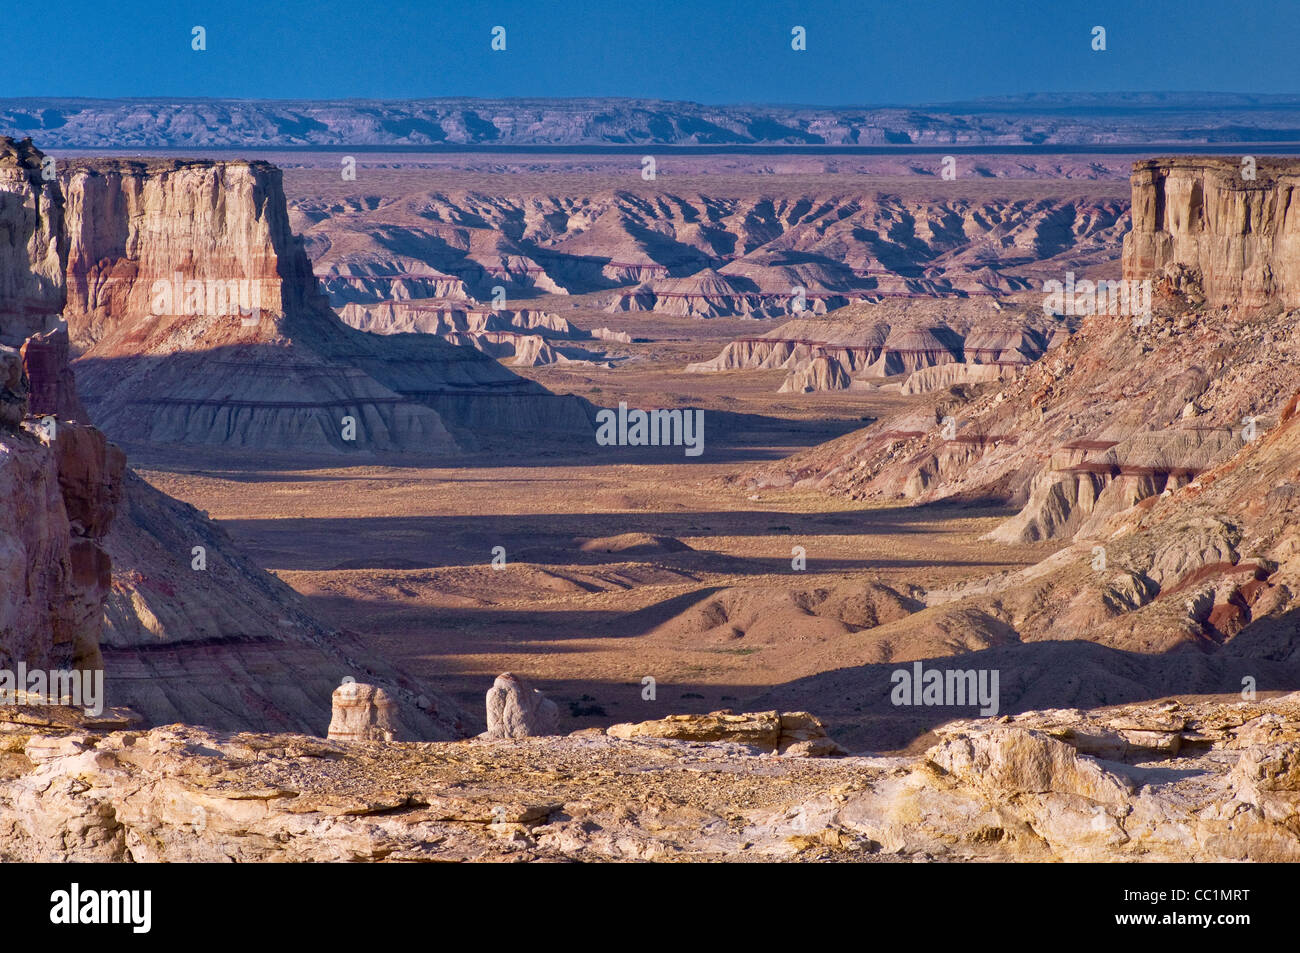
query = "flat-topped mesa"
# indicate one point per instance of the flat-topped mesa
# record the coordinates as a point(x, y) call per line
point(201, 322)
point(1229, 223)
point(173, 239)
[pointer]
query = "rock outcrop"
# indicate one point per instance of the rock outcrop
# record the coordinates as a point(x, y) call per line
point(60, 481)
point(100, 570)
point(789, 733)
point(1196, 780)
point(1224, 228)
point(517, 710)
point(874, 340)
point(529, 336)
point(1117, 413)
point(363, 712)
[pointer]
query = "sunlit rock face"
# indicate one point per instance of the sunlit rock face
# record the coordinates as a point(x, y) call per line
point(1227, 225)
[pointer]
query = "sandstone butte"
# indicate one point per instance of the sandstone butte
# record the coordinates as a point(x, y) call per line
point(1190, 780)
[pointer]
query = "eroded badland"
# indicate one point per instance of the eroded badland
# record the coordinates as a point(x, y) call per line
point(392, 474)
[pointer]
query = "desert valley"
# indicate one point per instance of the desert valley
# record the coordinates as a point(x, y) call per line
point(304, 448)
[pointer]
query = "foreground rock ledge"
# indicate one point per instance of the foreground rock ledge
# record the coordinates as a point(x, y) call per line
point(1206, 781)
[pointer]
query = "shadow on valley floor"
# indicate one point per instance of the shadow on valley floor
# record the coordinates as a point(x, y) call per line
point(556, 539)
point(730, 438)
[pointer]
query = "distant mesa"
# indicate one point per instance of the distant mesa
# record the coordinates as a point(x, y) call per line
point(1042, 121)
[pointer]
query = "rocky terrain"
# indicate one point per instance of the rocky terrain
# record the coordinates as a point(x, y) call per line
point(1160, 453)
point(704, 246)
point(62, 481)
point(1053, 119)
point(1169, 781)
point(1124, 409)
point(1094, 509)
point(525, 336)
point(920, 345)
point(104, 571)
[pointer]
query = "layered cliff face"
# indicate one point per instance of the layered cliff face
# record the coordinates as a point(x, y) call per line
point(1125, 409)
point(1160, 452)
point(32, 247)
point(203, 324)
point(60, 482)
point(531, 337)
point(216, 641)
point(1229, 227)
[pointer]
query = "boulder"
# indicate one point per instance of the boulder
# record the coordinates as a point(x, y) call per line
point(517, 710)
point(364, 713)
point(794, 734)
point(1007, 762)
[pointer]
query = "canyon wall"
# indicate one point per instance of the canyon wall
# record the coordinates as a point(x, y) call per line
point(1122, 411)
point(221, 643)
point(60, 481)
point(1227, 227)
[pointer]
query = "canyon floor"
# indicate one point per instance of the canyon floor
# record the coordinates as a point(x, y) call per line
point(623, 563)
point(620, 563)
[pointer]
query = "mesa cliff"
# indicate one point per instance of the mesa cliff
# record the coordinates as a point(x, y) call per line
point(1228, 229)
point(1153, 449)
point(200, 323)
point(61, 482)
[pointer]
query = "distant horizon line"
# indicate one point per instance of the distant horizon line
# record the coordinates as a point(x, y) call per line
point(1133, 98)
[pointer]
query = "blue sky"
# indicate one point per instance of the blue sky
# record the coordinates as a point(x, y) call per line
point(712, 51)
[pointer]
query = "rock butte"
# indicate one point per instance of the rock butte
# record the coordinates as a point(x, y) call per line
point(153, 372)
